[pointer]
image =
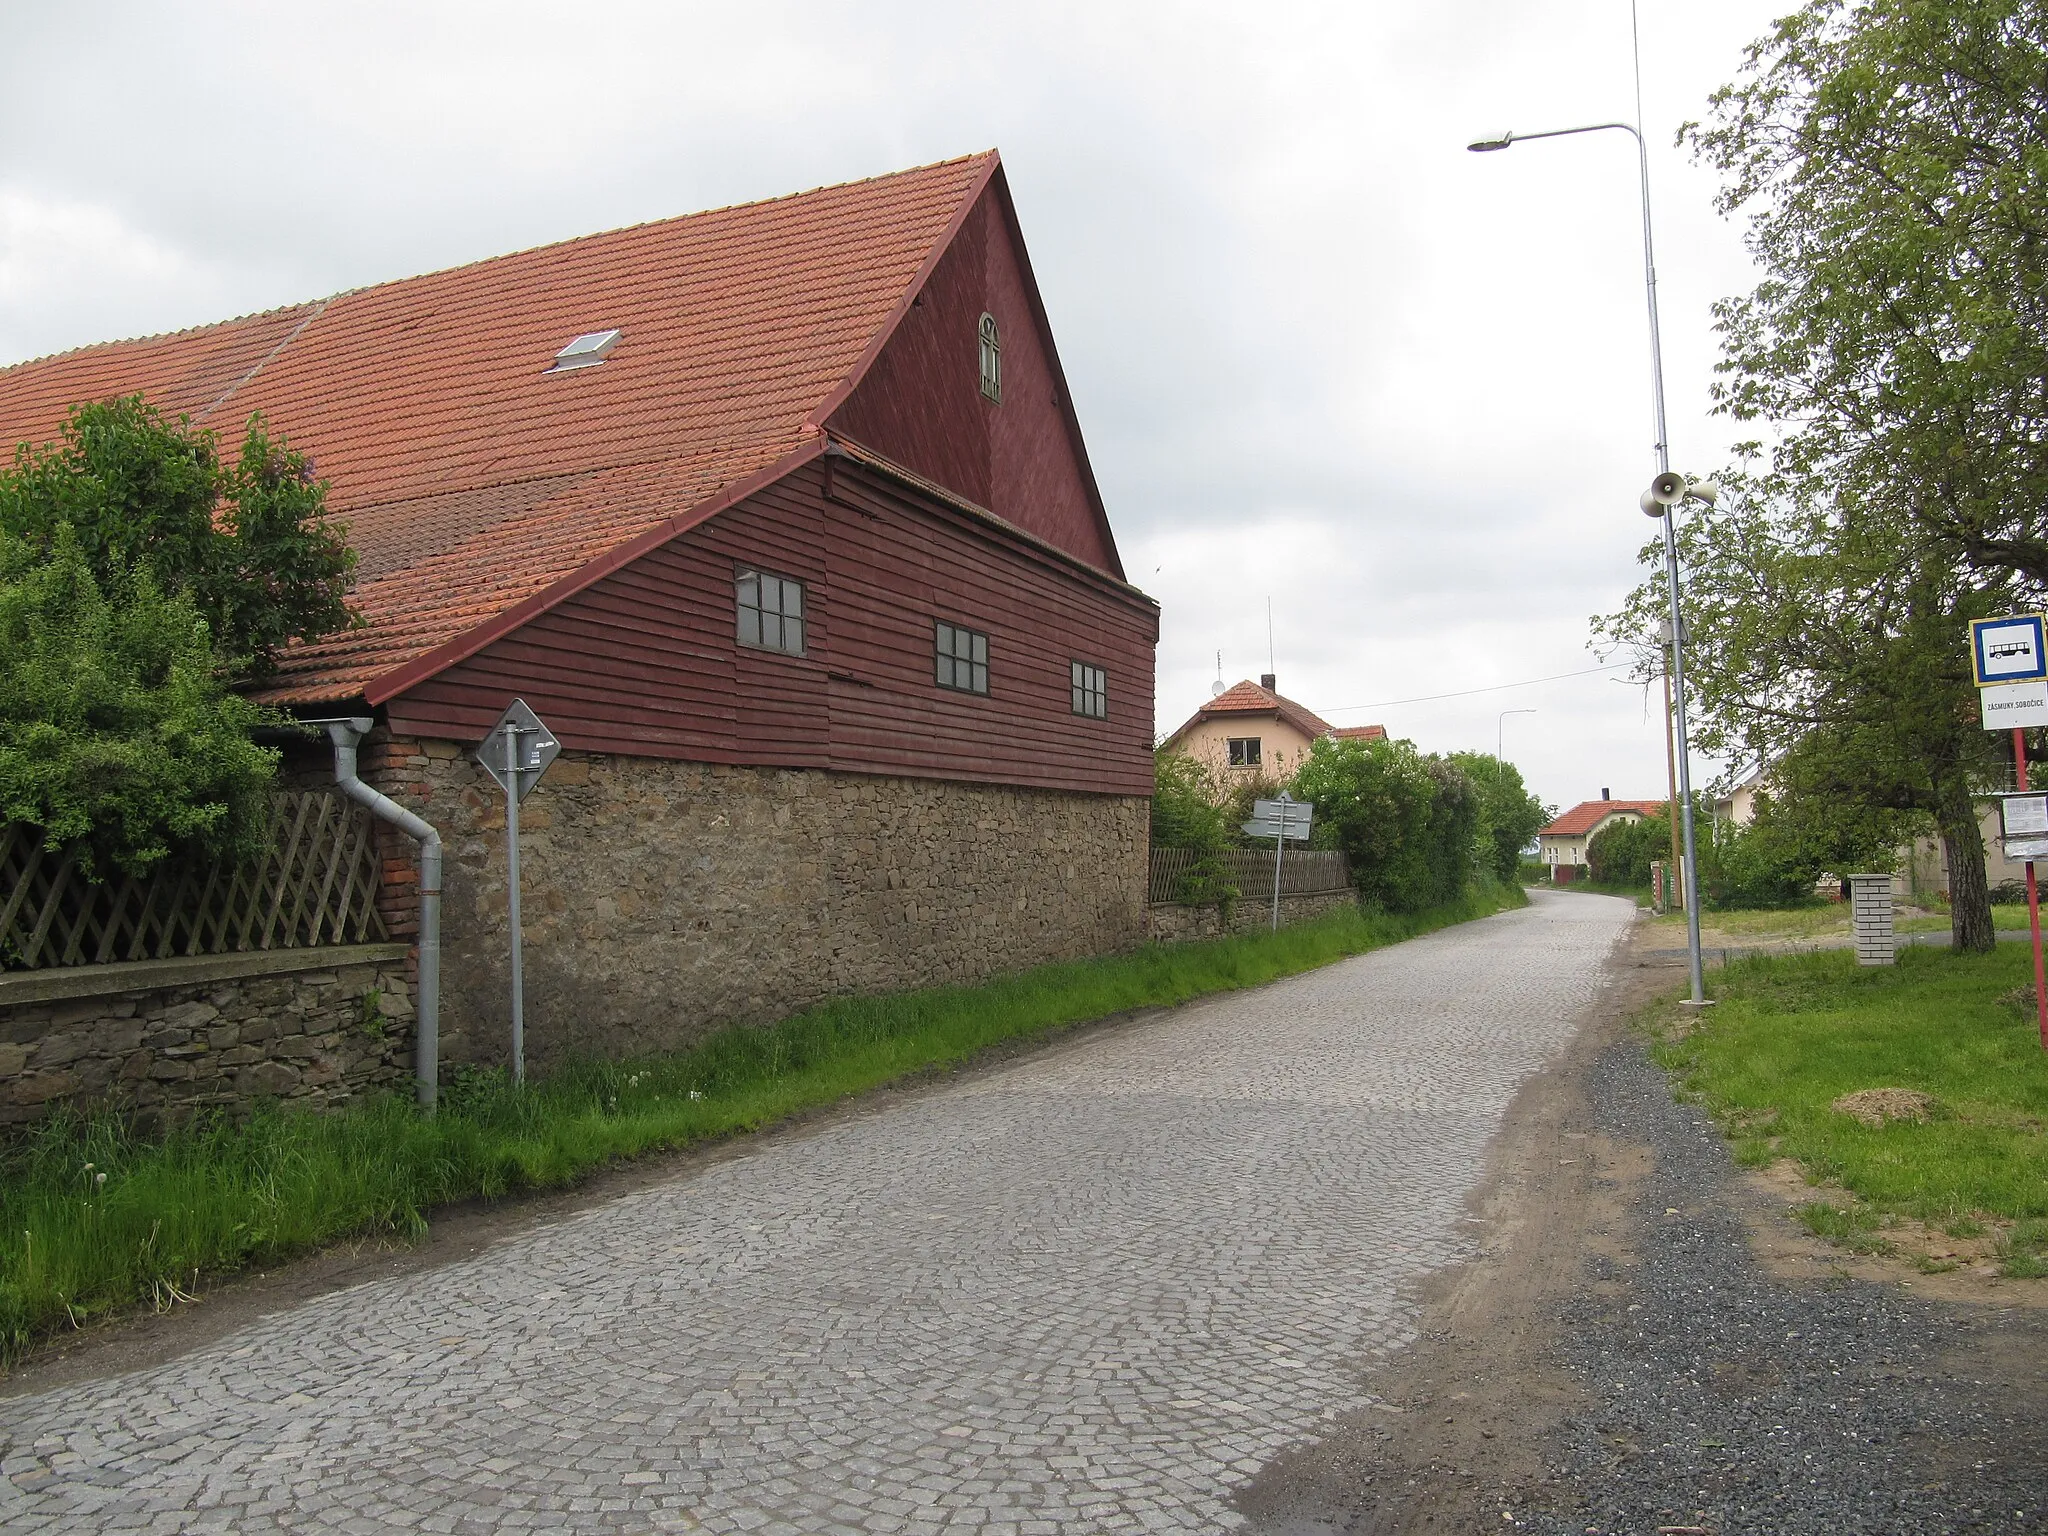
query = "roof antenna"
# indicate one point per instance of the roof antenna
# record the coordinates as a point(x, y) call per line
point(1216, 688)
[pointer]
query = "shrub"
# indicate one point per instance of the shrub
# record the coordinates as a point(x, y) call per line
point(1190, 811)
point(116, 737)
point(246, 542)
point(140, 577)
point(1408, 823)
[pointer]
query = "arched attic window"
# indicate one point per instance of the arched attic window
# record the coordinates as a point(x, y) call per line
point(991, 360)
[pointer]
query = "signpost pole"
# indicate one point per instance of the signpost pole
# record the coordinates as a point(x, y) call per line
point(2019, 759)
point(1279, 843)
point(513, 763)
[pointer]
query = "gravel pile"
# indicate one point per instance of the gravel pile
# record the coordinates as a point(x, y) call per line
point(1731, 1401)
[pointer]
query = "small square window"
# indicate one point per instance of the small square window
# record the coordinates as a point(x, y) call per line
point(962, 658)
point(771, 612)
point(1244, 751)
point(1090, 691)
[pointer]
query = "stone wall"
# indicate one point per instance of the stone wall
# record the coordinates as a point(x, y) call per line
point(663, 899)
point(166, 1037)
point(1174, 922)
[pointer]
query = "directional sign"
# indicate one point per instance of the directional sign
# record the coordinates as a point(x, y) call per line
point(1284, 817)
point(2008, 650)
point(518, 738)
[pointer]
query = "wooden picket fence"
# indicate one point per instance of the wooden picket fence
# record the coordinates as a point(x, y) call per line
point(1302, 873)
point(315, 883)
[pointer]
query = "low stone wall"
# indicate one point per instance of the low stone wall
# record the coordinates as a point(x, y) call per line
point(1174, 923)
point(661, 899)
point(165, 1037)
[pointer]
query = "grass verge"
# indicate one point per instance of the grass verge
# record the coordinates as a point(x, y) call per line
point(94, 1218)
point(1794, 1034)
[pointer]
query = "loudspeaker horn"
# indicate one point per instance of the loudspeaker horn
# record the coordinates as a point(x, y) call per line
point(1651, 506)
point(1668, 488)
point(1708, 491)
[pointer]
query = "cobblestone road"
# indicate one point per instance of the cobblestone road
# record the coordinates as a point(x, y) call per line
point(1091, 1291)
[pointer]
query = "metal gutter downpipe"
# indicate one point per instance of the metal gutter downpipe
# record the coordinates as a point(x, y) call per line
point(427, 1012)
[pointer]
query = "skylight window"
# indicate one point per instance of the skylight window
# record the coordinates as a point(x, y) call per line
point(586, 351)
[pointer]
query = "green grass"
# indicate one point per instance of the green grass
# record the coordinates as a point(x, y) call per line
point(94, 1218)
point(2007, 917)
point(1792, 1033)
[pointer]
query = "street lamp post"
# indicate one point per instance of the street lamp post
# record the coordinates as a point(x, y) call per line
point(1691, 870)
point(1500, 741)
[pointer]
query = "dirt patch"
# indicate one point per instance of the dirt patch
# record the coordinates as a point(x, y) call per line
point(1926, 1259)
point(1874, 1106)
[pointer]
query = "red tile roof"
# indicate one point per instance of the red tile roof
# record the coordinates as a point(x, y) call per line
point(1248, 698)
point(476, 486)
point(1360, 733)
point(1588, 814)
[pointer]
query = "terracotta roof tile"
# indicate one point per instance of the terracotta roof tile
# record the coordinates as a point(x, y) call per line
point(1248, 698)
point(1586, 815)
point(470, 477)
point(1360, 733)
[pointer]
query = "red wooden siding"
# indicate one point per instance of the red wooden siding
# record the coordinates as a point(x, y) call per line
point(921, 402)
point(645, 662)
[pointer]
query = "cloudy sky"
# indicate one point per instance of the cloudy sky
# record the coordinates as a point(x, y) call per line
point(1323, 355)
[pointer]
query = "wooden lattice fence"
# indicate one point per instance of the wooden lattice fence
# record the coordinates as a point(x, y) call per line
point(1302, 873)
point(315, 883)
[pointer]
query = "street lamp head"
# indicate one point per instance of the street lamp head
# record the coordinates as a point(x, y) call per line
point(1487, 146)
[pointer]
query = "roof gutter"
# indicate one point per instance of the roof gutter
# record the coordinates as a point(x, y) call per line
point(346, 734)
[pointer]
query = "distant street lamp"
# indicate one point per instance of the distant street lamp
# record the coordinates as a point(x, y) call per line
point(1500, 741)
point(1667, 509)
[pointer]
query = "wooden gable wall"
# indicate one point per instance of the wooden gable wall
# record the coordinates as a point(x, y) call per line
point(921, 404)
point(645, 662)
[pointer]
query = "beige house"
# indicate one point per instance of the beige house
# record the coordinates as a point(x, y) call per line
point(1739, 804)
point(1562, 845)
point(1252, 731)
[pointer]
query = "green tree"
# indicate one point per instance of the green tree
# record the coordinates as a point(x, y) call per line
point(1891, 158)
point(1509, 816)
point(117, 738)
point(247, 543)
point(1408, 824)
point(1831, 636)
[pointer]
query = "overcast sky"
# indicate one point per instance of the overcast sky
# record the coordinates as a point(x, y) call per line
point(1321, 353)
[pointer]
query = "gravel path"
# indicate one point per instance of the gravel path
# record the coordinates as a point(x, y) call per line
point(1725, 1398)
point(1096, 1289)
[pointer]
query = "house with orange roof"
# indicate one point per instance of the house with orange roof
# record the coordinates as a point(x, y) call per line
point(1562, 845)
point(781, 518)
point(1252, 730)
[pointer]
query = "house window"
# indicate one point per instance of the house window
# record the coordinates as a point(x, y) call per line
point(962, 657)
point(1244, 751)
point(1090, 691)
point(771, 612)
point(991, 360)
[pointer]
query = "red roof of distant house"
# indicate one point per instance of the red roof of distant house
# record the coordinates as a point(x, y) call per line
point(1588, 814)
point(478, 487)
point(1250, 699)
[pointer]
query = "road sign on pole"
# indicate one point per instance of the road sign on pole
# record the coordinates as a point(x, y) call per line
point(2008, 650)
point(2009, 658)
point(1283, 820)
point(516, 753)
